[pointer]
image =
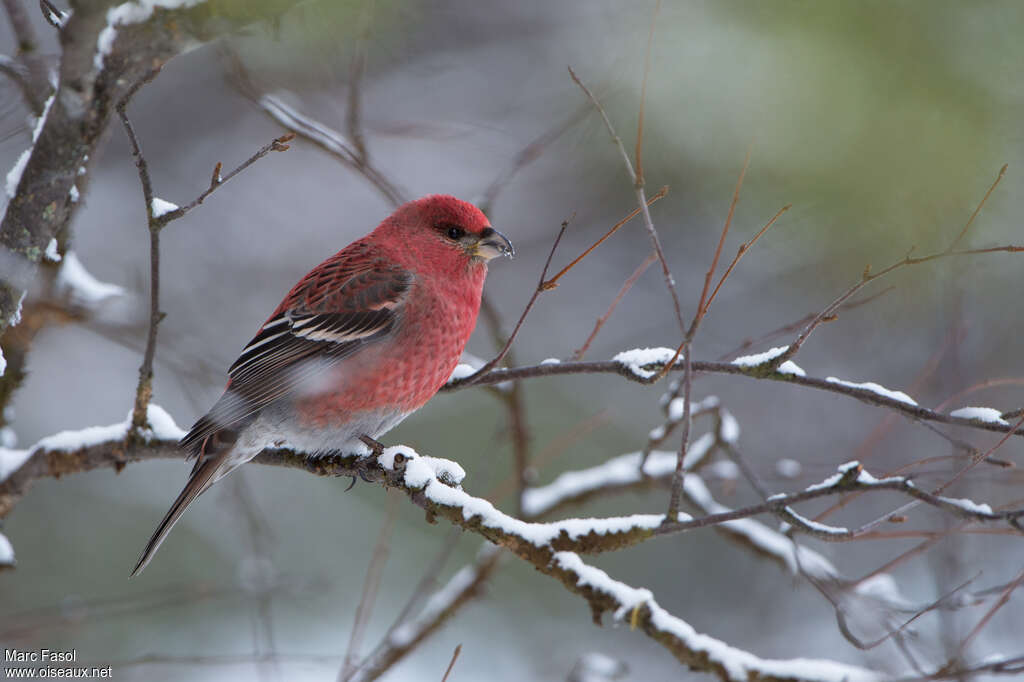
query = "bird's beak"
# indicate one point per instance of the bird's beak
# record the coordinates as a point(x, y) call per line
point(493, 244)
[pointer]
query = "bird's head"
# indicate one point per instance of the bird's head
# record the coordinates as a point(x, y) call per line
point(444, 229)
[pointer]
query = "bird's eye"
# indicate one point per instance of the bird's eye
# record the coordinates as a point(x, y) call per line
point(455, 233)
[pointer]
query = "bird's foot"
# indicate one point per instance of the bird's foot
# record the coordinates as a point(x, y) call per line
point(375, 445)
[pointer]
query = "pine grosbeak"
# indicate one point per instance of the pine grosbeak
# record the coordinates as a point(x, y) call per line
point(362, 341)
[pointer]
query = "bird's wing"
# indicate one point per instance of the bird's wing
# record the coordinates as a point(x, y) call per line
point(338, 308)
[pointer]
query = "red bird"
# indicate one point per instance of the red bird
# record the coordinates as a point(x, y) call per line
point(362, 341)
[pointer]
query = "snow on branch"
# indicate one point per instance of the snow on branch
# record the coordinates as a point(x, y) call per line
point(626, 365)
point(106, 53)
point(83, 450)
point(702, 652)
point(552, 547)
point(80, 287)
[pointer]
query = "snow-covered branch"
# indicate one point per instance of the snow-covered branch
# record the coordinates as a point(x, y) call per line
point(643, 366)
point(107, 50)
point(552, 547)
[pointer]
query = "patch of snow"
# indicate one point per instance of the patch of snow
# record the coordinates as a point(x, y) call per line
point(3, 363)
point(79, 284)
point(14, 175)
point(6, 551)
point(11, 461)
point(58, 18)
point(161, 424)
point(790, 367)
point(52, 254)
point(877, 389)
point(618, 471)
point(441, 600)
point(675, 409)
point(760, 358)
point(862, 477)
point(968, 505)
point(551, 361)
point(657, 433)
point(595, 666)
point(419, 473)
point(730, 429)
point(638, 360)
point(983, 414)
point(883, 587)
point(788, 468)
point(8, 438)
point(130, 13)
point(161, 207)
point(73, 194)
point(461, 371)
point(15, 319)
point(41, 121)
point(815, 526)
point(724, 469)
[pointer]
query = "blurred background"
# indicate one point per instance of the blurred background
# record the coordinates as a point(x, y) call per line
point(882, 123)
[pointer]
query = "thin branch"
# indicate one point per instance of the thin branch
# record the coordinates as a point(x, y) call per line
point(795, 326)
point(156, 223)
point(527, 155)
point(278, 144)
point(744, 247)
point(455, 657)
point(490, 365)
point(409, 633)
point(144, 388)
point(685, 347)
point(21, 25)
point(553, 282)
point(703, 302)
point(353, 112)
point(828, 314)
point(639, 154)
point(670, 283)
point(623, 290)
point(1000, 603)
point(865, 395)
point(981, 204)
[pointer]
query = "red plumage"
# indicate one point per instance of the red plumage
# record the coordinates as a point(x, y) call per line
point(364, 339)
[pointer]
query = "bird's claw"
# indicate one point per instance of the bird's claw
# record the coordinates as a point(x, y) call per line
point(375, 446)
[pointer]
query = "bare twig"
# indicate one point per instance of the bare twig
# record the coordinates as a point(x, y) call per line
point(639, 154)
point(528, 154)
point(1000, 603)
point(278, 144)
point(744, 247)
point(865, 395)
point(670, 283)
point(828, 313)
point(353, 112)
point(686, 346)
point(455, 657)
point(981, 204)
point(553, 282)
point(490, 365)
point(22, 26)
point(626, 286)
point(156, 222)
point(144, 388)
point(791, 327)
point(514, 402)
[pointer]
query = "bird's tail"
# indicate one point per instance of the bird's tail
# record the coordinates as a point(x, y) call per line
point(203, 476)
